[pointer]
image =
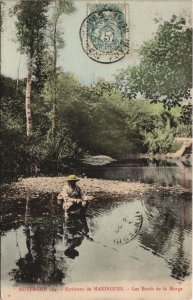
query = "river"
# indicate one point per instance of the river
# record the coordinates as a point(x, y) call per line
point(119, 239)
point(164, 172)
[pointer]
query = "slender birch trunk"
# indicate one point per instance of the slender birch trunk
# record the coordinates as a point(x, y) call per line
point(54, 116)
point(28, 98)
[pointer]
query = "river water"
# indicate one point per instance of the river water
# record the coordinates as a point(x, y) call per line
point(145, 237)
point(165, 172)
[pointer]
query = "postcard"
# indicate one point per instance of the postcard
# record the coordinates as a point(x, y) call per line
point(96, 147)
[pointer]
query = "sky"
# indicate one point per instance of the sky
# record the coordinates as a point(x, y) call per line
point(72, 58)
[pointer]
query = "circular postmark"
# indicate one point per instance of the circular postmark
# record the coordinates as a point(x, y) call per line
point(104, 35)
point(119, 227)
point(127, 229)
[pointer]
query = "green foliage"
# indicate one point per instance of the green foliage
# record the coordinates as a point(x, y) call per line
point(159, 141)
point(166, 62)
point(53, 155)
point(175, 146)
point(152, 126)
point(12, 98)
point(165, 69)
point(93, 120)
point(55, 43)
point(14, 159)
point(128, 81)
point(184, 128)
point(186, 114)
point(31, 28)
point(31, 23)
point(54, 31)
point(41, 153)
point(97, 119)
point(102, 121)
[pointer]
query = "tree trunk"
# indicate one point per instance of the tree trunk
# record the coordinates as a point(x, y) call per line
point(28, 98)
point(54, 116)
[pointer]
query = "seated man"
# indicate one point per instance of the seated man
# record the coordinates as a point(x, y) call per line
point(72, 195)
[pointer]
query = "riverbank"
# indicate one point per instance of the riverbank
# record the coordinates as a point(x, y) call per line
point(113, 188)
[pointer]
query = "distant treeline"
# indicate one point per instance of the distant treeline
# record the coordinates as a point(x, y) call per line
point(92, 120)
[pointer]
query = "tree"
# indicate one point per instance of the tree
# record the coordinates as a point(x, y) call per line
point(103, 114)
point(31, 23)
point(56, 42)
point(128, 81)
point(186, 114)
point(185, 121)
point(165, 70)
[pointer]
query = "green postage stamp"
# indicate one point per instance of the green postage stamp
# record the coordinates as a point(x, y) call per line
point(104, 33)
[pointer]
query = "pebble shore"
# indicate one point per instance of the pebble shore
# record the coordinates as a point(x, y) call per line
point(89, 186)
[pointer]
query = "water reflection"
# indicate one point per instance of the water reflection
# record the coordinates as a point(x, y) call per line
point(39, 263)
point(130, 235)
point(48, 242)
point(167, 230)
point(44, 263)
point(168, 173)
point(75, 231)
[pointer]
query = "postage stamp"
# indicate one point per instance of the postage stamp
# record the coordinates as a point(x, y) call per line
point(104, 33)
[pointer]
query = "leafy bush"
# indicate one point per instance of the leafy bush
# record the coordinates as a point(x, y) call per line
point(15, 160)
point(183, 130)
point(39, 154)
point(159, 141)
point(175, 146)
point(54, 155)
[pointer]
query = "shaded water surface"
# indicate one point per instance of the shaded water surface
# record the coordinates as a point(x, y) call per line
point(167, 172)
point(119, 239)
